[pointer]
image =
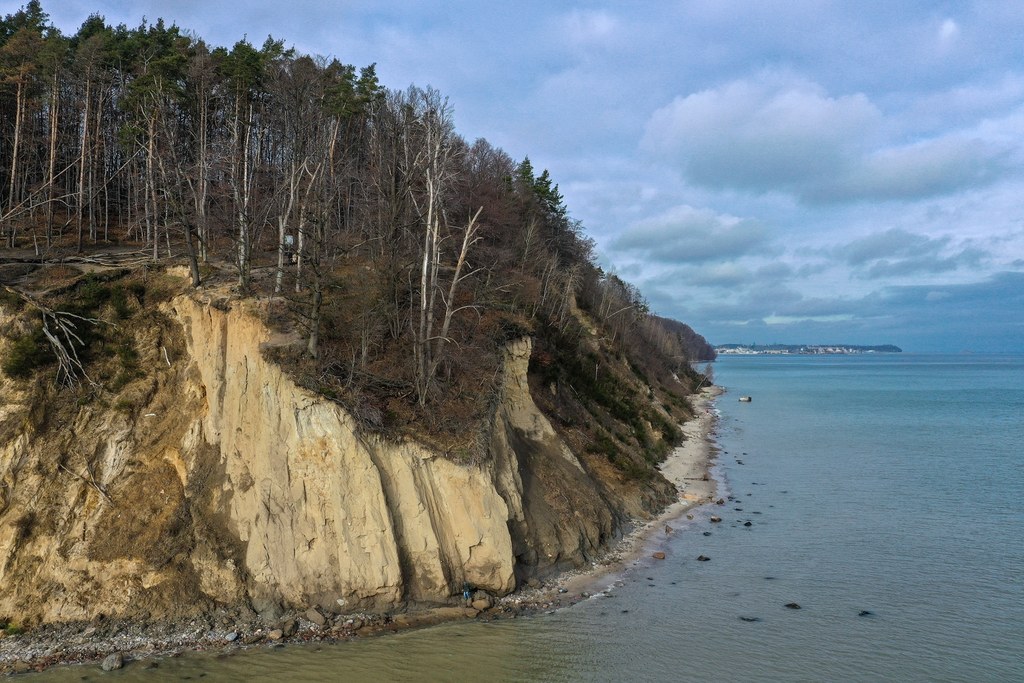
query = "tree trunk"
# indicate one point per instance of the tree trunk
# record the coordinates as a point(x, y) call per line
point(52, 160)
point(19, 107)
point(81, 166)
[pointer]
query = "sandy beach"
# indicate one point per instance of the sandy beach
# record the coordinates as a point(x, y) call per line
point(688, 467)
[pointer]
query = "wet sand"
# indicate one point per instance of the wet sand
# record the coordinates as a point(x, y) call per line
point(688, 467)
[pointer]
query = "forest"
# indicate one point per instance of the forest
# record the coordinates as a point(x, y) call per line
point(405, 257)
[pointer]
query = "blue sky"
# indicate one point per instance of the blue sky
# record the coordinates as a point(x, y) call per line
point(767, 171)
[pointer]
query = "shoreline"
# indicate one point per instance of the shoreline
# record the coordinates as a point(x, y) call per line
point(688, 467)
point(233, 630)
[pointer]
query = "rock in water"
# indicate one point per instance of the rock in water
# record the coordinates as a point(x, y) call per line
point(658, 555)
point(866, 613)
point(113, 662)
point(792, 605)
point(716, 518)
point(703, 558)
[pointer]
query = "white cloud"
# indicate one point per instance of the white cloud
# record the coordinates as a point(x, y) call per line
point(772, 132)
point(948, 32)
point(922, 169)
point(685, 234)
point(588, 27)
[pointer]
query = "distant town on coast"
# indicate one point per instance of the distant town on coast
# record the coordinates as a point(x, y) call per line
point(802, 349)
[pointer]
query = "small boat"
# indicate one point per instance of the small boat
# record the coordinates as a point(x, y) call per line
point(745, 399)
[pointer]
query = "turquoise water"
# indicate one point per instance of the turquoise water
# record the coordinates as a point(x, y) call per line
point(892, 484)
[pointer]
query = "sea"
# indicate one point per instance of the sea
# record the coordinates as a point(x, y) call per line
point(884, 495)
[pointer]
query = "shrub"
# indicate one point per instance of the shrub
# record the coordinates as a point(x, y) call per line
point(26, 354)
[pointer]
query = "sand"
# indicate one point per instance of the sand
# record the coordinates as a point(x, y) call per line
point(688, 467)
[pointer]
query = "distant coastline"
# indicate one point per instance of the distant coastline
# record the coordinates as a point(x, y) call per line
point(802, 349)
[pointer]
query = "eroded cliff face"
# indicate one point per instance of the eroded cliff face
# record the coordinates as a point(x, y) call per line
point(216, 479)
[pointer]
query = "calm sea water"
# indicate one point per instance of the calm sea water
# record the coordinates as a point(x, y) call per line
point(889, 484)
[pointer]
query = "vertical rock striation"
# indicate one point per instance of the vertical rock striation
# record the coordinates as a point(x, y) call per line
point(223, 482)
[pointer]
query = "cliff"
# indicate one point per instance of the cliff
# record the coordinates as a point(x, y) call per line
point(212, 478)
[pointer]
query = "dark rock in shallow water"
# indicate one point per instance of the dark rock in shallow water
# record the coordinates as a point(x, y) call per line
point(792, 605)
point(866, 613)
point(716, 518)
point(750, 619)
point(658, 555)
point(707, 533)
point(703, 558)
point(748, 524)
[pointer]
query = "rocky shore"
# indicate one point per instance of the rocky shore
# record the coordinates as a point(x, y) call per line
point(112, 644)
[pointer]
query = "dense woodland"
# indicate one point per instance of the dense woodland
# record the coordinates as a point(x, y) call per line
point(405, 256)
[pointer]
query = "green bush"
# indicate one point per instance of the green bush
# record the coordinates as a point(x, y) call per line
point(11, 301)
point(26, 354)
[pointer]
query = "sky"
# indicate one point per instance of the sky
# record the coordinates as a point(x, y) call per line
point(767, 171)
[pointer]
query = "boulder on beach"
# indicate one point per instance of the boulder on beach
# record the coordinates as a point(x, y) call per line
point(315, 616)
point(113, 662)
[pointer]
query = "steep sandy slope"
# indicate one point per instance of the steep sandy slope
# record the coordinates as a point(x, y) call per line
point(216, 479)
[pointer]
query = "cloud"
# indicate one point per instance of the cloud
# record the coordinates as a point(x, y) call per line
point(891, 243)
point(923, 169)
point(897, 252)
point(588, 27)
point(772, 132)
point(982, 315)
point(948, 32)
point(686, 234)
point(775, 132)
